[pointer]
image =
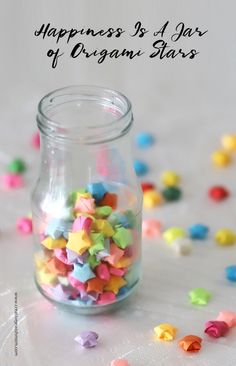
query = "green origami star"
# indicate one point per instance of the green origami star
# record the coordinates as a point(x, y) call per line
point(199, 296)
point(103, 211)
point(122, 237)
point(92, 261)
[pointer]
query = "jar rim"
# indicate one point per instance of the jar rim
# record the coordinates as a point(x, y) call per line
point(114, 128)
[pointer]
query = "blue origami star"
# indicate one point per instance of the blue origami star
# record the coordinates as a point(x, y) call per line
point(57, 228)
point(198, 231)
point(82, 272)
point(97, 190)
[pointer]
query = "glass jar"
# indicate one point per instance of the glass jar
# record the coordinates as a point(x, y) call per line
point(86, 206)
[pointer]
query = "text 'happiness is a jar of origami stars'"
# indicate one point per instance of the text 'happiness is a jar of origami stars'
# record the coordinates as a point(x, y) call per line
point(87, 202)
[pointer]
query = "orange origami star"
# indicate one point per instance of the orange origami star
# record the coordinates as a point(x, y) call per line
point(57, 267)
point(191, 343)
point(96, 284)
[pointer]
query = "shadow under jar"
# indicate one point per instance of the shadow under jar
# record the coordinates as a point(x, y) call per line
point(86, 206)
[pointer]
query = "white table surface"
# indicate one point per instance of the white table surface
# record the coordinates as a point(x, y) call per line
point(188, 105)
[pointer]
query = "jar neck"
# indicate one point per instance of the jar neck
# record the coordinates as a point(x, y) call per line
point(84, 115)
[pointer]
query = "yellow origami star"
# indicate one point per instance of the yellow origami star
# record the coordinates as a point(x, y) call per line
point(45, 277)
point(165, 332)
point(51, 243)
point(114, 284)
point(79, 242)
point(40, 260)
point(84, 195)
point(104, 227)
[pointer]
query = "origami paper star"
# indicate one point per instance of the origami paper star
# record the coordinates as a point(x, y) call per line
point(198, 231)
point(151, 228)
point(109, 199)
point(61, 255)
point(216, 328)
point(231, 273)
point(104, 227)
point(165, 331)
point(98, 243)
point(59, 293)
point(54, 265)
point(71, 256)
point(83, 193)
point(182, 246)
point(85, 296)
point(199, 296)
point(115, 283)
point(82, 223)
point(173, 233)
point(190, 343)
point(96, 248)
point(97, 238)
point(97, 190)
point(115, 254)
point(85, 205)
point(63, 281)
point(51, 243)
point(225, 237)
point(228, 317)
point(130, 219)
point(57, 227)
point(105, 252)
point(45, 277)
point(123, 262)
point(96, 285)
point(103, 211)
point(117, 271)
point(122, 291)
point(76, 283)
point(87, 339)
point(40, 260)
point(82, 272)
point(106, 298)
point(79, 242)
point(122, 237)
point(102, 271)
point(82, 258)
point(93, 261)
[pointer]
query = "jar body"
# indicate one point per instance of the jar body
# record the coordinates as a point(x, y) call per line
point(86, 206)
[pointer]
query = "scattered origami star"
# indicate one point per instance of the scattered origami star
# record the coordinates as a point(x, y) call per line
point(199, 296)
point(165, 332)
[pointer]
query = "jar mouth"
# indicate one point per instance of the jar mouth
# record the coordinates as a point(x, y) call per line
point(84, 114)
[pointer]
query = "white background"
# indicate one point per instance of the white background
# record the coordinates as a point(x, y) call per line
point(188, 105)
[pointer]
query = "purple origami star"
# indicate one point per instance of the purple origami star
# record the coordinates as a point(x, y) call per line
point(87, 339)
